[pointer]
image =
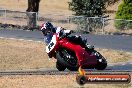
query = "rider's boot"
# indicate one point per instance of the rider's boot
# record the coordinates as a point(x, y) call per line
point(89, 47)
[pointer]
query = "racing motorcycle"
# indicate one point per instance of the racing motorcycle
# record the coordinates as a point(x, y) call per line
point(71, 55)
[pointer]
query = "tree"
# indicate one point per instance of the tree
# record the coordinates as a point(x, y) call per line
point(87, 8)
point(32, 11)
point(90, 8)
point(33, 6)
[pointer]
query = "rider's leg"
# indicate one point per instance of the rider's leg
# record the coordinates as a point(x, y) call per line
point(84, 44)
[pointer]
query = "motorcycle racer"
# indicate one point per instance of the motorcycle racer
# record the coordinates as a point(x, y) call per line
point(48, 31)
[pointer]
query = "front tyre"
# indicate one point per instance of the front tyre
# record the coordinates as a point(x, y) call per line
point(101, 61)
point(72, 68)
point(101, 64)
point(68, 59)
point(60, 66)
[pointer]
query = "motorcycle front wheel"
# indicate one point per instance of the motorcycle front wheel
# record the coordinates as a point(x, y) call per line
point(101, 65)
point(101, 62)
point(60, 66)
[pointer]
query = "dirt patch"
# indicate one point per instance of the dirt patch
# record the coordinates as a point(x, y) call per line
point(50, 81)
point(20, 55)
point(16, 54)
point(115, 56)
point(52, 7)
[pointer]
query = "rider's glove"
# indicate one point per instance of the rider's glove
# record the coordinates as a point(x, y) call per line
point(71, 31)
point(50, 55)
point(67, 31)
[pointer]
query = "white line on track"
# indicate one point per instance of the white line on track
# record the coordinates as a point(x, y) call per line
point(21, 39)
point(123, 64)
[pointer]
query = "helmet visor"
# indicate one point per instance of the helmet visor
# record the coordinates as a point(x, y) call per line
point(46, 31)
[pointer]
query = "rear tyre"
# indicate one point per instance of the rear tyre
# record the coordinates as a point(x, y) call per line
point(60, 66)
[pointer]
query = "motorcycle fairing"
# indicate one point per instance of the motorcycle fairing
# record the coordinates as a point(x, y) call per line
point(81, 54)
point(53, 43)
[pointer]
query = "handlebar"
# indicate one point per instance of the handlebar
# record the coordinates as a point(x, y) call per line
point(66, 34)
point(63, 36)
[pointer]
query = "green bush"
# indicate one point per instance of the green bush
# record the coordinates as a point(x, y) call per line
point(129, 25)
point(120, 24)
point(124, 12)
point(87, 8)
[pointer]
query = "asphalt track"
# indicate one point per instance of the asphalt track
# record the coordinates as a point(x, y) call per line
point(117, 42)
point(102, 41)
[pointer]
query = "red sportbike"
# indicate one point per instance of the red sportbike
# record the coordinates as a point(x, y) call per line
point(71, 55)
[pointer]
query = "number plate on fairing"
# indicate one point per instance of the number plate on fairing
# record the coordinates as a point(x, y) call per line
point(51, 45)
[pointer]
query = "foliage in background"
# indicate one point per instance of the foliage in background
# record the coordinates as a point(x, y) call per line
point(84, 9)
point(89, 8)
point(88, 24)
point(33, 6)
point(124, 12)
